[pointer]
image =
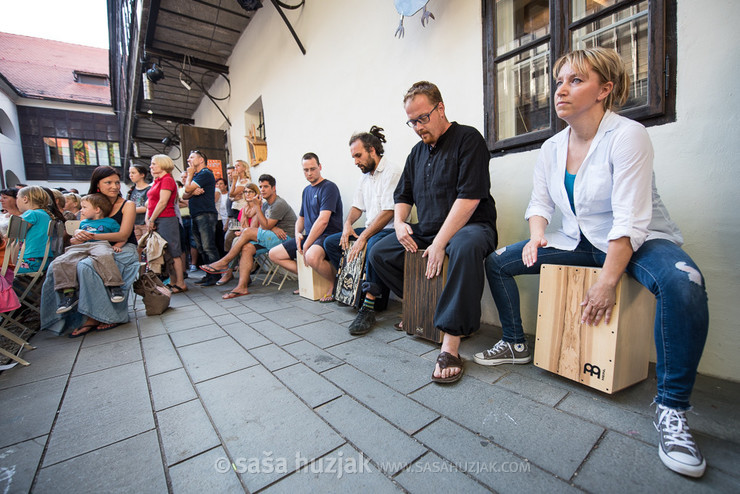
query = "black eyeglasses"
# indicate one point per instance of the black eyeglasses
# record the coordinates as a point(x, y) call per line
point(195, 151)
point(421, 119)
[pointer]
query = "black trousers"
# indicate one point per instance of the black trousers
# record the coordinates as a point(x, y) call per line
point(458, 311)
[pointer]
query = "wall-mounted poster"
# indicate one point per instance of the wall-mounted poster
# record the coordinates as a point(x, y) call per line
point(215, 167)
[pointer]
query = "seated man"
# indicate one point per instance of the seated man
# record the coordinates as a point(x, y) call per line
point(374, 197)
point(321, 215)
point(275, 217)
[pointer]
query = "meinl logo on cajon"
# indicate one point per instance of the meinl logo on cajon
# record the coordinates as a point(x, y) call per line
point(593, 370)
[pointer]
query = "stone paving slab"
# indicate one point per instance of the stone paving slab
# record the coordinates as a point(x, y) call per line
point(250, 316)
point(430, 473)
point(225, 319)
point(532, 389)
point(400, 370)
point(273, 332)
point(99, 409)
point(196, 335)
point(323, 334)
point(171, 388)
point(206, 473)
point(273, 357)
point(401, 411)
point(342, 470)
point(516, 423)
point(54, 356)
point(188, 323)
point(603, 413)
point(131, 465)
point(290, 318)
point(29, 410)
point(497, 468)
point(252, 427)
point(389, 448)
point(186, 431)
point(246, 336)
point(313, 356)
point(214, 358)
point(18, 464)
point(95, 358)
point(620, 464)
point(159, 355)
point(308, 385)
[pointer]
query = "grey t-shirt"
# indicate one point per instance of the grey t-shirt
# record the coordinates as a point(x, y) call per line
point(280, 210)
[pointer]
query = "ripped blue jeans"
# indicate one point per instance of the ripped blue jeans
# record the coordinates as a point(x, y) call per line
point(681, 315)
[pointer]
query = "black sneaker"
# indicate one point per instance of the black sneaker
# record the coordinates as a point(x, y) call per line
point(363, 323)
point(69, 300)
point(116, 294)
point(207, 280)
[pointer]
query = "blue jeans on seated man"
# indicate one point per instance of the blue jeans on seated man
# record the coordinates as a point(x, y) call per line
point(204, 229)
point(681, 315)
point(373, 283)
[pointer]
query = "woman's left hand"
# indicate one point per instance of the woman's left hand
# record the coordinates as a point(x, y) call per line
point(84, 236)
point(598, 303)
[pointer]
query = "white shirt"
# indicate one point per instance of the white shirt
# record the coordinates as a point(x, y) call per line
point(375, 191)
point(614, 191)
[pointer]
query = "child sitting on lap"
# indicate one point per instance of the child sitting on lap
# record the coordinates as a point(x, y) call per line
point(95, 211)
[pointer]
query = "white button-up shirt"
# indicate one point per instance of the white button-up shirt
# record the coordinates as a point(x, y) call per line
point(614, 191)
point(375, 191)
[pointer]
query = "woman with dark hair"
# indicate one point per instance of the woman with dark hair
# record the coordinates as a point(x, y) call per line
point(95, 311)
point(8, 199)
point(138, 194)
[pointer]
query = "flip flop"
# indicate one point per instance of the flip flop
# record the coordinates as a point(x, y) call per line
point(296, 292)
point(176, 289)
point(106, 327)
point(208, 269)
point(231, 295)
point(446, 360)
point(223, 282)
point(77, 333)
point(327, 299)
point(398, 326)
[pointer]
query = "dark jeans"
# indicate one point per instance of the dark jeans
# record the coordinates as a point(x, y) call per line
point(681, 315)
point(204, 229)
point(458, 311)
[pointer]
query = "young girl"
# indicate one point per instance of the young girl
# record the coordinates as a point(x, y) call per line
point(33, 202)
point(138, 194)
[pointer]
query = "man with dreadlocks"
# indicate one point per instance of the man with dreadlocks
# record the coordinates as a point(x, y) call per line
point(374, 197)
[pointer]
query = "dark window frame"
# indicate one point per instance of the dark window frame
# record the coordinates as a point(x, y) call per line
point(660, 107)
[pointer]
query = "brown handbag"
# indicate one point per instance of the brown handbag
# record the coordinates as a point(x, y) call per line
point(156, 296)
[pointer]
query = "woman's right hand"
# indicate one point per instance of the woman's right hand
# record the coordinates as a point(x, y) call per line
point(529, 252)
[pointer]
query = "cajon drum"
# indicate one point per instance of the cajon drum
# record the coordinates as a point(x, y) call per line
point(420, 297)
point(349, 278)
point(311, 284)
point(607, 357)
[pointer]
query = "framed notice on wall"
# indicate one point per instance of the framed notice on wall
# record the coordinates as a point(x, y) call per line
point(215, 167)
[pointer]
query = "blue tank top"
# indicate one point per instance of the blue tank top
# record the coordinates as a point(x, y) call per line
point(570, 180)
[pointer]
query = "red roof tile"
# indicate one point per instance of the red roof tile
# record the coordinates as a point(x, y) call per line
point(42, 68)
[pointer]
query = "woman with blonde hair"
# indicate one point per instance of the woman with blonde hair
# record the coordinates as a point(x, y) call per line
point(239, 178)
point(598, 172)
point(161, 216)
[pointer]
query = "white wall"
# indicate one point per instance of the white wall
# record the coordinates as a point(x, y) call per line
point(355, 73)
point(11, 151)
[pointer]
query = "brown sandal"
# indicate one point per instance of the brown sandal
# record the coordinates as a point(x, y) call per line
point(446, 360)
point(79, 331)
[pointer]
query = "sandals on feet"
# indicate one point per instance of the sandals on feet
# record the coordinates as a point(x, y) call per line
point(328, 298)
point(177, 289)
point(211, 270)
point(233, 294)
point(106, 327)
point(79, 331)
point(223, 281)
point(447, 360)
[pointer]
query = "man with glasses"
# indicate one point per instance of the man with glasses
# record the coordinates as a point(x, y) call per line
point(446, 176)
point(200, 191)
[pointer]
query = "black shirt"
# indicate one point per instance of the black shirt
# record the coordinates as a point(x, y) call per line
point(455, 168)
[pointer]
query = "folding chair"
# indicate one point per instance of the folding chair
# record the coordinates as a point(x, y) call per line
point(14, 248)
point(272, 270)
point(70, 226)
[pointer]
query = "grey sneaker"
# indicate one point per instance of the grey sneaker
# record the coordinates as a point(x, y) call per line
point(504, 353)
point(676, 446)
point(67, 302)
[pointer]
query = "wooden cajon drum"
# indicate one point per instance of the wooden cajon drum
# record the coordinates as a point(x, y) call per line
point(607, 357)
point(420, 297)
point(349, 278)
point(311, 284)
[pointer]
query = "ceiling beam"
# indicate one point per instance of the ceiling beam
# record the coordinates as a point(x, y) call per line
point(179, 57)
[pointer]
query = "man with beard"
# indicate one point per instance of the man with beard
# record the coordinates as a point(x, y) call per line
point(374, 197)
